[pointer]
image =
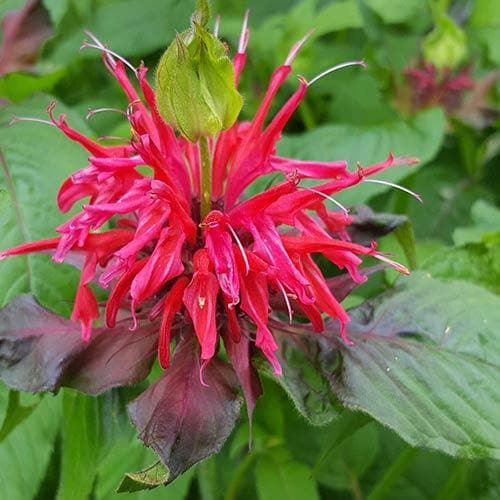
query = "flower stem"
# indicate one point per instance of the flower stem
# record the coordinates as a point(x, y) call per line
point(205, 178)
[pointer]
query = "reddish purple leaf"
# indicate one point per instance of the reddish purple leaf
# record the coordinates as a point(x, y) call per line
point(183, 420)
point(368, 225)
point(40, 351)
point(341, 286)
point(24, 31)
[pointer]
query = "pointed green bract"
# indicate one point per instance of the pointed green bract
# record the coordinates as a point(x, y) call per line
point(195, 82)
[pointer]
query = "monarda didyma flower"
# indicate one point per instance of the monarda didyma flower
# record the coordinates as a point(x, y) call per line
point(188, 268)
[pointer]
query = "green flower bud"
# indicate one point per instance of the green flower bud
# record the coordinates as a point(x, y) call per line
point(446, 44)
point(195, 87)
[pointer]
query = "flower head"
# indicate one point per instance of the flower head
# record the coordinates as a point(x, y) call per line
point(145, 238)
point(432, 87)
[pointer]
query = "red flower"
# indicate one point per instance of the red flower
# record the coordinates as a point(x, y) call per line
point(431, 87)
point(213, 275)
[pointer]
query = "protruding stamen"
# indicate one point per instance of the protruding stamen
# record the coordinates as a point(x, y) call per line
point(243, 42)
point(29, 119)
point(217, 26)
point(335, 68)
point(287, 301)
point(100, 46)
point(396, 265)
point(327, 197)
point(240, 246)
point(93, 112)
point(396, 186)
point(112, 138)
point(296, 47)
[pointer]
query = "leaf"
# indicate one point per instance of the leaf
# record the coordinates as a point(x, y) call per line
point(368, 225)
point(421, 136)
point(25, 453)
point(478, 263)
point(24, 31)
point(15, 414)
point(182, 420)
point(486, 221)
point(40, 351)
point(278, 476)
point(307, 366)
point(398, 11)
point(118, 25)
point(81, 446)
point(34, 160)
point(426, 363)
point(146, 479)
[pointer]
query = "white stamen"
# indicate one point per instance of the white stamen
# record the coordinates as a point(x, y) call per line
point(397, 186)
point(242, 250)
point(99, 46)
point(344, 209)
point(93, 112)
point(335, 68)
point(29, 119)
point(112, 138)
point(217, 26)
point(296, 47)
point(243, 42)
point(287, 301)
point(396, 265)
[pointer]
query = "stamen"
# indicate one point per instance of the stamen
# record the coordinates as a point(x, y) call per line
point(133, 328)
point(29, 119)
point(344, 209)
point(243, 42)
point(112, 138)
point(240, 246)
point(93, 112)
point(99, 46)
point(396, 265)
point(335, 68)
point(287, 301)
point(217, 26)
point(296, 47)
point(202, 367)
point(397, 186)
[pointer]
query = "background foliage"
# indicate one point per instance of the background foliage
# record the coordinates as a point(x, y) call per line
point(429, 392)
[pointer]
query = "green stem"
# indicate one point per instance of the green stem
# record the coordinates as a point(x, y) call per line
point(205, 178)
point(239, 476)
point(392, 474)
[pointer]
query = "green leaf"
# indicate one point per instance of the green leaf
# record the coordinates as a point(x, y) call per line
point(421, 136)
point(34, 160)
point(277, 476)
point(25, 453)
point(146, 479)
point(426, 363)
point(486, 222)
point(81, 445)
point(126, 27)
point(15, 413)
point(18, 86)
point(478, 263)
point(398, 11)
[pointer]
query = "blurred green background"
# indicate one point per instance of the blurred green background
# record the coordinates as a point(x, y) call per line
point(80, 447)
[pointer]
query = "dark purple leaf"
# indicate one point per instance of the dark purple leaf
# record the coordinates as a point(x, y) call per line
point(40, 351)
point(240, 356)
point(341, 286)
point(24, 31)
point(183, 420)
point(368, 225)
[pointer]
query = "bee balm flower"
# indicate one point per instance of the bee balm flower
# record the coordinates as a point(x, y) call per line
point(188, 258)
